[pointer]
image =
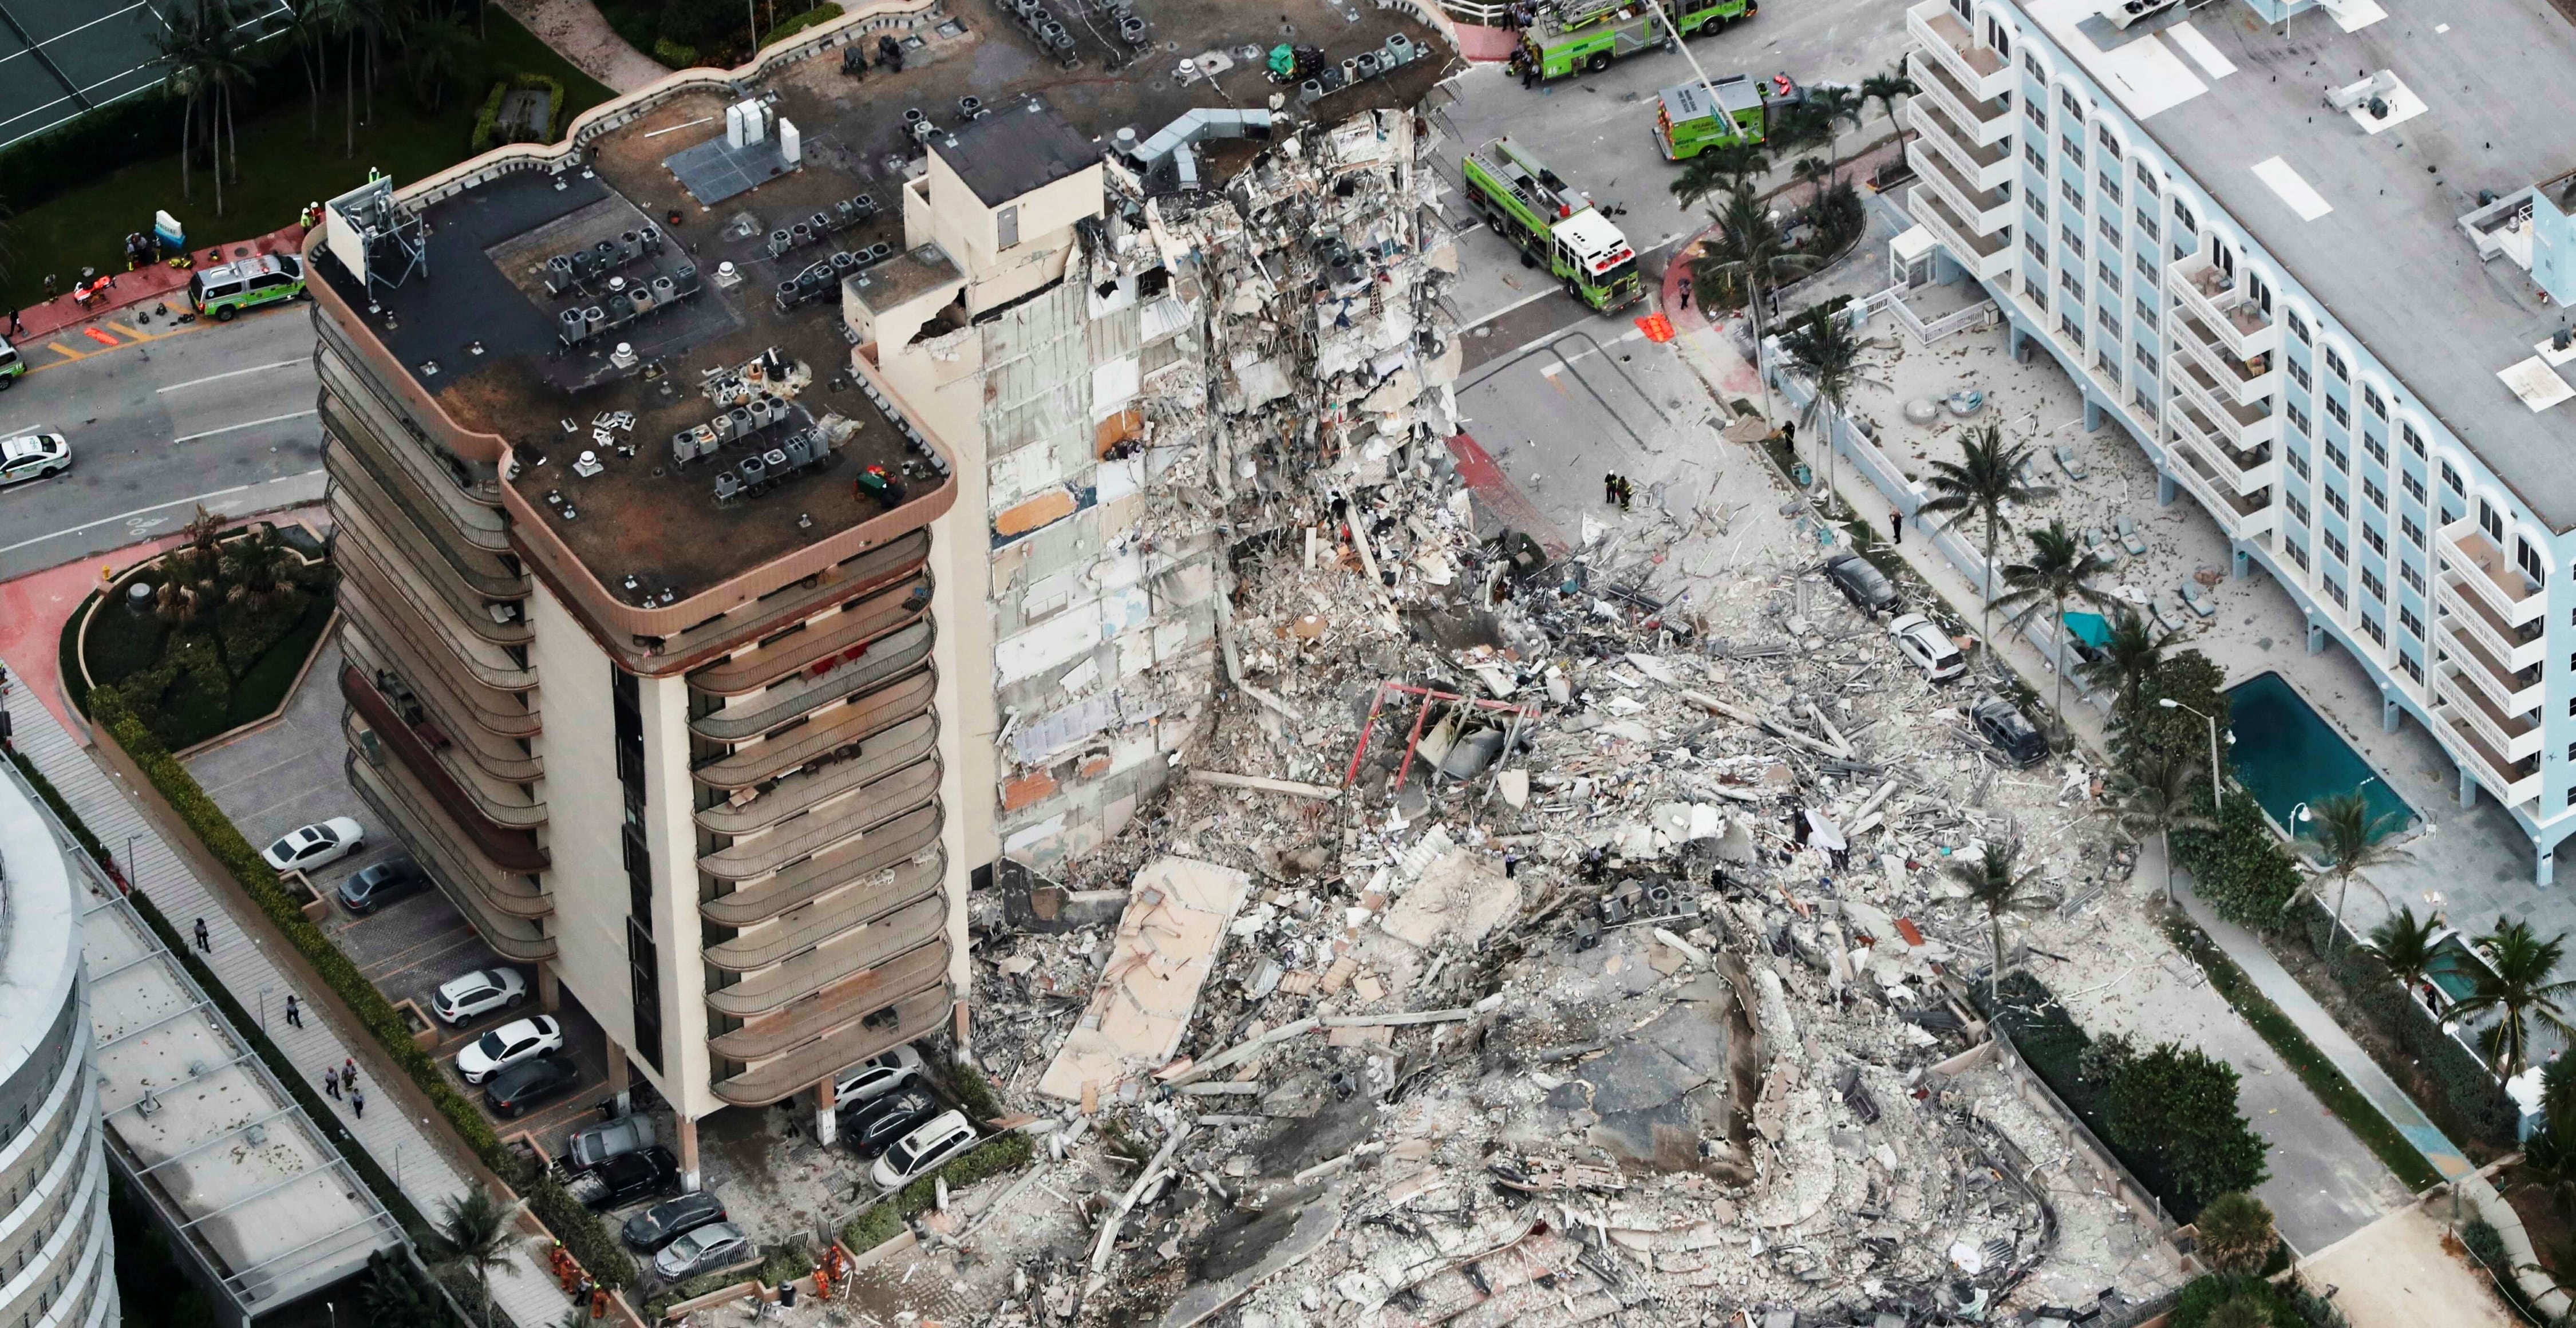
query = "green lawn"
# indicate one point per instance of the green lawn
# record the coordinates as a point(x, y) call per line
point(282, 166)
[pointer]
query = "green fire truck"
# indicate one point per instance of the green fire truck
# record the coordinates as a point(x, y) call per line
point(1686, 124)
point(1553, 226)
point(1565, 36)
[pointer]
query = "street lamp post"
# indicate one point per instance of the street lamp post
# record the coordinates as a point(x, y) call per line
point(2217, 790)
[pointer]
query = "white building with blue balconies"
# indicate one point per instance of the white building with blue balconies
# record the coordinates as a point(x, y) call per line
point(2317, 259)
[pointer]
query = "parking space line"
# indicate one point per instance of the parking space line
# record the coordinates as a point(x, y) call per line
point(65, 351)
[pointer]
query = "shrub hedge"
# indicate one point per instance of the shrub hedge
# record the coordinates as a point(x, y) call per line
point(581, 1231)
point(1001, 1153)
point(487, 121)
point(2470, 1103)
point(822, 13)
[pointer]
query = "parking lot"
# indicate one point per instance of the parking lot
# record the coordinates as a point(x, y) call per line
point(291, 774)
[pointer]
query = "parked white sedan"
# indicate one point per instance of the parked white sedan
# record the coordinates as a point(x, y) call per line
point(315, 845)
point(508, 1045)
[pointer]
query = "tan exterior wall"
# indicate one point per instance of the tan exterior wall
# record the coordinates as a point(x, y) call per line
point(672, 836)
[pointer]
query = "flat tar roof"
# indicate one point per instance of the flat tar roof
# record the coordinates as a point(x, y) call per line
point(1016, 149)
point(2498, 83)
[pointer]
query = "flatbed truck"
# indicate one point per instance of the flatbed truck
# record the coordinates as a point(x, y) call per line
point(1553, 225)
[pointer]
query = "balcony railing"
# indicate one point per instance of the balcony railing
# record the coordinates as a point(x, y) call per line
point(2511, 782)
point(354, 468)
point(847, 726)
point(814, 786)
point(430, 619)
point(2241, 427)
point(495, 813)
point(810, 926)
point(864, 620)
point(2513, 739)
point(2245, 516)
point(1985, 120)
point(885, 848)
point(924, 922)
point(2490, 575)
point(880, 800)
point(1985, 257)
point(1982, 70)
point(860, 668)
point(2219, 300)
point(857, 1035)
point(2513, 693)
point(2519, 648)
point(2244, 382)
point(1987, 210)
point(458, 695)
point(1987, 167)
point(475, 889)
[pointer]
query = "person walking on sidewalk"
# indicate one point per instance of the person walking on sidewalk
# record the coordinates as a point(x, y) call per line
point(205, 941)
point(16, 328)
point(1895, 526)
point(349, 1076)
point(358, 1103)
point(1610, 486)
point(331, 1084)
point(294, 1014)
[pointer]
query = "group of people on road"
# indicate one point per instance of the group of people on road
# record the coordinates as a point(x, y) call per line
point(1618, 490)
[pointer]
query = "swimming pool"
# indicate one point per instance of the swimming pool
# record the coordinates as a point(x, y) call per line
point(2286, 754)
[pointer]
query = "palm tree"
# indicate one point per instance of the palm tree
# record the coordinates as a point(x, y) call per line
point(2548, 1164)
point(2558, 1095)
point(1833, 106)
point(1886, 89)
point(1746, 254)
point(2159, 795)
point(2236, 1233)
point(1821, 347)
point(1723, 169)
point(1990, 882)
point(2347, 837)
point(1985, 480)
point(1813, 172)
point(474, 1234)
point(2404, 942)
point(2516, 985)
point(304, 20)
point(396, 1295)
point(258, 570)
point(2127, 661)
point(183, 45)
point(2060, 569)
point(2239, 1311)
point(437, 51)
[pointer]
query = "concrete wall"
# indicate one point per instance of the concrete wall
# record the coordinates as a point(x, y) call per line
point(672, 836)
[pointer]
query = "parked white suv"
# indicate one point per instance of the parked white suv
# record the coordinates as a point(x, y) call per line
point(1927, 647)
point(876, 1076)
point(479, 992)
point(509, 1044)
point(919, 1152)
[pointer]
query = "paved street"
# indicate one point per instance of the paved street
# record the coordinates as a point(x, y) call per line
point(171, 415)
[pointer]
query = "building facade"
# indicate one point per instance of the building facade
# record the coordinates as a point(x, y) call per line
point(2317, 367)
point(57, 1263)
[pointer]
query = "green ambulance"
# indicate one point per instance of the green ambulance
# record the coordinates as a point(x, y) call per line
point(1552, 225)
point(1687, 124)
point(1568, 36)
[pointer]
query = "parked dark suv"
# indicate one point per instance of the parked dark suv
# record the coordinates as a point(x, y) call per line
point(627, 1177)
point(1861, 582)
point(512, 1089)
point(2002, 723)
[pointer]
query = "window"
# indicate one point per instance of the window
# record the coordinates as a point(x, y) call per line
point(2298, 554)
point(2110, 276)
point(2147, 224)
point(2378, 450)
point(2335, 366)
point(2370, 401)
point(2074, 331)
point(2030, 241)
point(2109, 225)
point(2414, 440)
point(2105, 365)
point(2074, 242)
point(2110, 145)
point(2416, 671)
point(2038, 203)
point(2409, 531)
point(2413, 625)
point(2074, 151)
point(1998, 37)
point(2146, 177)
point(2298, 373)
point(2378, 543)
point(2030, 66)
point(2182, 217)
point(2334, 500)
point(2146, 311)
point(2491, 521)
point(2144, 396)
point(2074, 196)
point(2334, 591)
point(2372, 494)
point(2298, 513)
point(2110, 189)
point(2298, 418)
point(2337, 457)
point(2414, 489)
point(2298, 463)
point(2341, 415)
point(2377, 632)
point(2372, 586)
point(2038, 114)
point(2146, 361)
point(2110, 323)
point(2529, 557)
point(2030, 150)
point(2066, 98)
point(2066, 278)
point(2451, 480)
point(2299, 328)
point(2147, 267)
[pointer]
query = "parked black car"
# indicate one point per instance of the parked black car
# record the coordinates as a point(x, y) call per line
point(1861, 582)
point(381, 884)
point(2001, 723)
point(871, 1127)
point(512, 1089)
point(627, 1177)
point(665, 1222)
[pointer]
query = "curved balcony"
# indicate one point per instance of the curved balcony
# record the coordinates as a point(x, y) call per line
point(502, 624)
point(429, 620)
point(920, 923)
point(500, 712)
point(853, 628)
point(381, 435)
point(887, 846)
point(898, 560)
point(807, 789)
point(808, 927)
point(848, 1039)
point(477, 891)
point(908, 789)
point(491, 756)
point(351, 467)
point(863, 667)
point(498, 817)
point(864, 718)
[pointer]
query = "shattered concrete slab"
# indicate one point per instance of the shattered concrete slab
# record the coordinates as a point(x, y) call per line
point(1165, 948)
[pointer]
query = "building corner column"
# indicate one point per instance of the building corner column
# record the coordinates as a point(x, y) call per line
point(688, 1151)
point(827, 1121)
point(2165, 488)
point(620, 1078)
point(549, 988)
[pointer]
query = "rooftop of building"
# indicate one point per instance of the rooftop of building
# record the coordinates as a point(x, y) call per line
point(484, 335)
point(2228, 97)
point(39, 927)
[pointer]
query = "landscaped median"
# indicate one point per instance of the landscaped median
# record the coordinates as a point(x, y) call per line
point(581, 1231)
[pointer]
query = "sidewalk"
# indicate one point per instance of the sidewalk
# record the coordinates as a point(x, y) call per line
point(577, 32)
point(525, 1290)
point(157, 282)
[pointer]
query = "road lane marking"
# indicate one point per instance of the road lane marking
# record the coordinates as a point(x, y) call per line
point(76, 356)
point(175, 502)
point(246, 424)
point(232, 373)
point(65, 351)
